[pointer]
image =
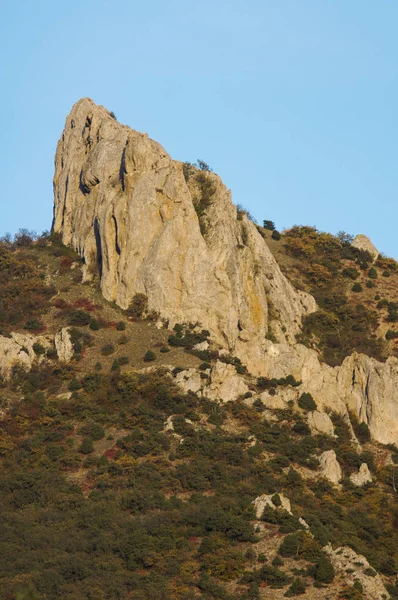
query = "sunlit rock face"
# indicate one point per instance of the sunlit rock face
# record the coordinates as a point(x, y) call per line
point(124, 204)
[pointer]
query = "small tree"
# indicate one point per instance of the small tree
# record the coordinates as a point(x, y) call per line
point(138, 306)
point(203, 166)
point(270, 225)
point(363, 433)
point(324, 570)
point(306, 402)
point(149, 356)
point(296, 589)
point(86, 446)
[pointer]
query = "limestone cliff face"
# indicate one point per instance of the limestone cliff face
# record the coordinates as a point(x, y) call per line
point(124, 205)
point(122, 202)
point(363, 385)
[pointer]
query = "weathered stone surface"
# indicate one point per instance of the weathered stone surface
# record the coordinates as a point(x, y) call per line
point(320, 422)
point(121, 202)
point(362, 477)
point(329, 466)
point(361, 384)
point(352, 566)
point(189, 381)
point(225, 384)
point(266, 500)
point(124, 204)
point(279, 400)
point(63, 345)
point(362, 242)
point(18, 349)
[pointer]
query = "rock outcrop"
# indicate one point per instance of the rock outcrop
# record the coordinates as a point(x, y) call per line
point(225, 384)
point(362, 477)
point(18, 349)
point(366, 387)
point(63, 345)
point(266, 500)
point(124, 205)
point(352, 566)
point(362, 242)
point(320, 422)
point(329, 467)
point(127, 208)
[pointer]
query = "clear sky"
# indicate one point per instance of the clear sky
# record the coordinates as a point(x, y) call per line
point(292, 102)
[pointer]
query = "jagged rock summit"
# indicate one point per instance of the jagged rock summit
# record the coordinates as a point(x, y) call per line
point(125, 205)
point(362, 242)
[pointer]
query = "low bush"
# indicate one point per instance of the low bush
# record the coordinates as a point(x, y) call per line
point(306, 402)
point(107, 350)
point(149, 356)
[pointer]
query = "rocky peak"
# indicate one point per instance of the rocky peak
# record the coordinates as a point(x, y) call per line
point(126, 207)
point(362, 242)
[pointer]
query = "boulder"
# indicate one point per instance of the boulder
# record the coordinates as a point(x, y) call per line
point(189, 381)
point(18, 349)
point(329, 466)
point(362, 477)
point(320, 423)
point(63, 345)
point(225, 384)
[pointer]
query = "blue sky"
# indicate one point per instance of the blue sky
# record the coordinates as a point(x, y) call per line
point(293, 103)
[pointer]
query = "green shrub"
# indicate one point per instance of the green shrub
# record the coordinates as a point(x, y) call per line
point(350, 273)
point(138, 306)
point(123, 360)
point(391, 334)
point(301, 428)
point(74, 385)
point(95, 325)
point(38, 349)
point(270, 225)
point(149, 356)
point(307, 402)
point(97, 432)
point(276, 500)
point(357, 287)
point(296, 589)
point(86, 446)
point(115, 365)
point(34, 325)
point(276, 235)
point(164, 349)
point(52, 353)
point(121, 326)
point(370, 284)
point(372, 273)
point(324, 570)
point(107, 350)
point(363, 433)
point(262, 558)
point(79, 318)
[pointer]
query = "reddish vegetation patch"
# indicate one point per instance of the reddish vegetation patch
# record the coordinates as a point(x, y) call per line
point(84, 303)
point(111, 453)
point(66, 263)
point(61, 304)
